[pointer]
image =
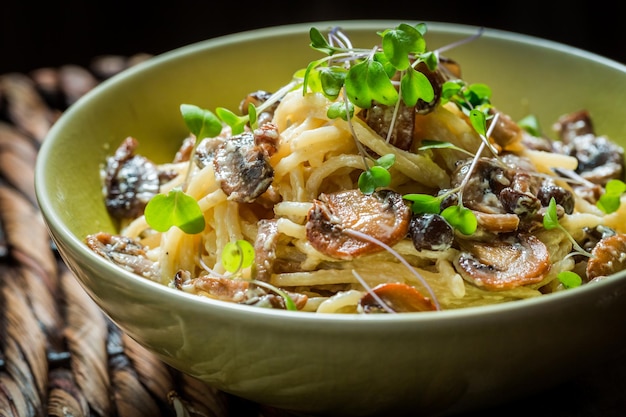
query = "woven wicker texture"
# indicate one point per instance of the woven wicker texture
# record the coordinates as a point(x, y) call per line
point(60, 356)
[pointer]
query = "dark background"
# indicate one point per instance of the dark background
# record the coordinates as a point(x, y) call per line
point(34, 34)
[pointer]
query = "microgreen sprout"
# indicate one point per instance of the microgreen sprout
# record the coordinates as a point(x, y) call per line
point(174, 209)
point(551, 221)
point(569, 279)
point(365, 76)
point(424, 203)
point(177, 208)
point(609, 202)
point(530, 124)
point(237, 255)
point(377, 175)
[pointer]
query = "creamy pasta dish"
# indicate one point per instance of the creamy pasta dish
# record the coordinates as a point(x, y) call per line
point(371, 183)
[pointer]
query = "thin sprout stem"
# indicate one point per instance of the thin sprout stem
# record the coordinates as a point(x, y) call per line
point(577, 247)
point(364, 236)
point(483, 143)
point(369, 290)
point(396, 109)
point(209, 269)
point(461, 42)
point(278, 95)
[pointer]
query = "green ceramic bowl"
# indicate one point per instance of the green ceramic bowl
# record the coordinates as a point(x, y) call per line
point(431, 363)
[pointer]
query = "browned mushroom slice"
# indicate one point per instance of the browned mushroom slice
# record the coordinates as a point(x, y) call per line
point(381, 118)
point(609, 257)
point(265, 248)
point(383, 216)
point(125, 252)
point(506, 132)
point(599, 159)
point(399, 297)
point(242, 163)
point(237, 290)
point(504, 264)
point(130, 181)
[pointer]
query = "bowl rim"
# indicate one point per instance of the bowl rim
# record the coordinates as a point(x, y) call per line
point(53, 220)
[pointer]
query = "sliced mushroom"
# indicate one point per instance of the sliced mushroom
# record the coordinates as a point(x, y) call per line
point(562, 197)
point(125, 252)
point(481, 191)
point(265, 248)
point(506, 132)
point(599, 159)
point(130, 181)
point(234, 290)
point(504, 264)
point(608, 257)
point(398, 297)
point(431, 232)
point(383, 216)
point(381, 118)
point(242, 162)
point(520, 197)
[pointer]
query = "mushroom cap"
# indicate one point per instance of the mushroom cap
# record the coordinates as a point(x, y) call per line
point(383, 216)
point(506, 263)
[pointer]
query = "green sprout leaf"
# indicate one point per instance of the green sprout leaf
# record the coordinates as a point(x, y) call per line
point(202, 123)
point(450, 89)
point(424, 203)
point(367, 82)
point(430, 59)
point(386, 161)
point(415, 86)
point(530, 124)
point(319, 42)
point(610, 201)
point(237, 255)
point(236, 122)
point(174, 209)
point(400, 42)
point(461, 218)
point(338, 110)
point(569, 279)
point(478, 121)
point(550, 218)
point(378, 175)
point(252, 116)
point(332, 80)
point(373, 178)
